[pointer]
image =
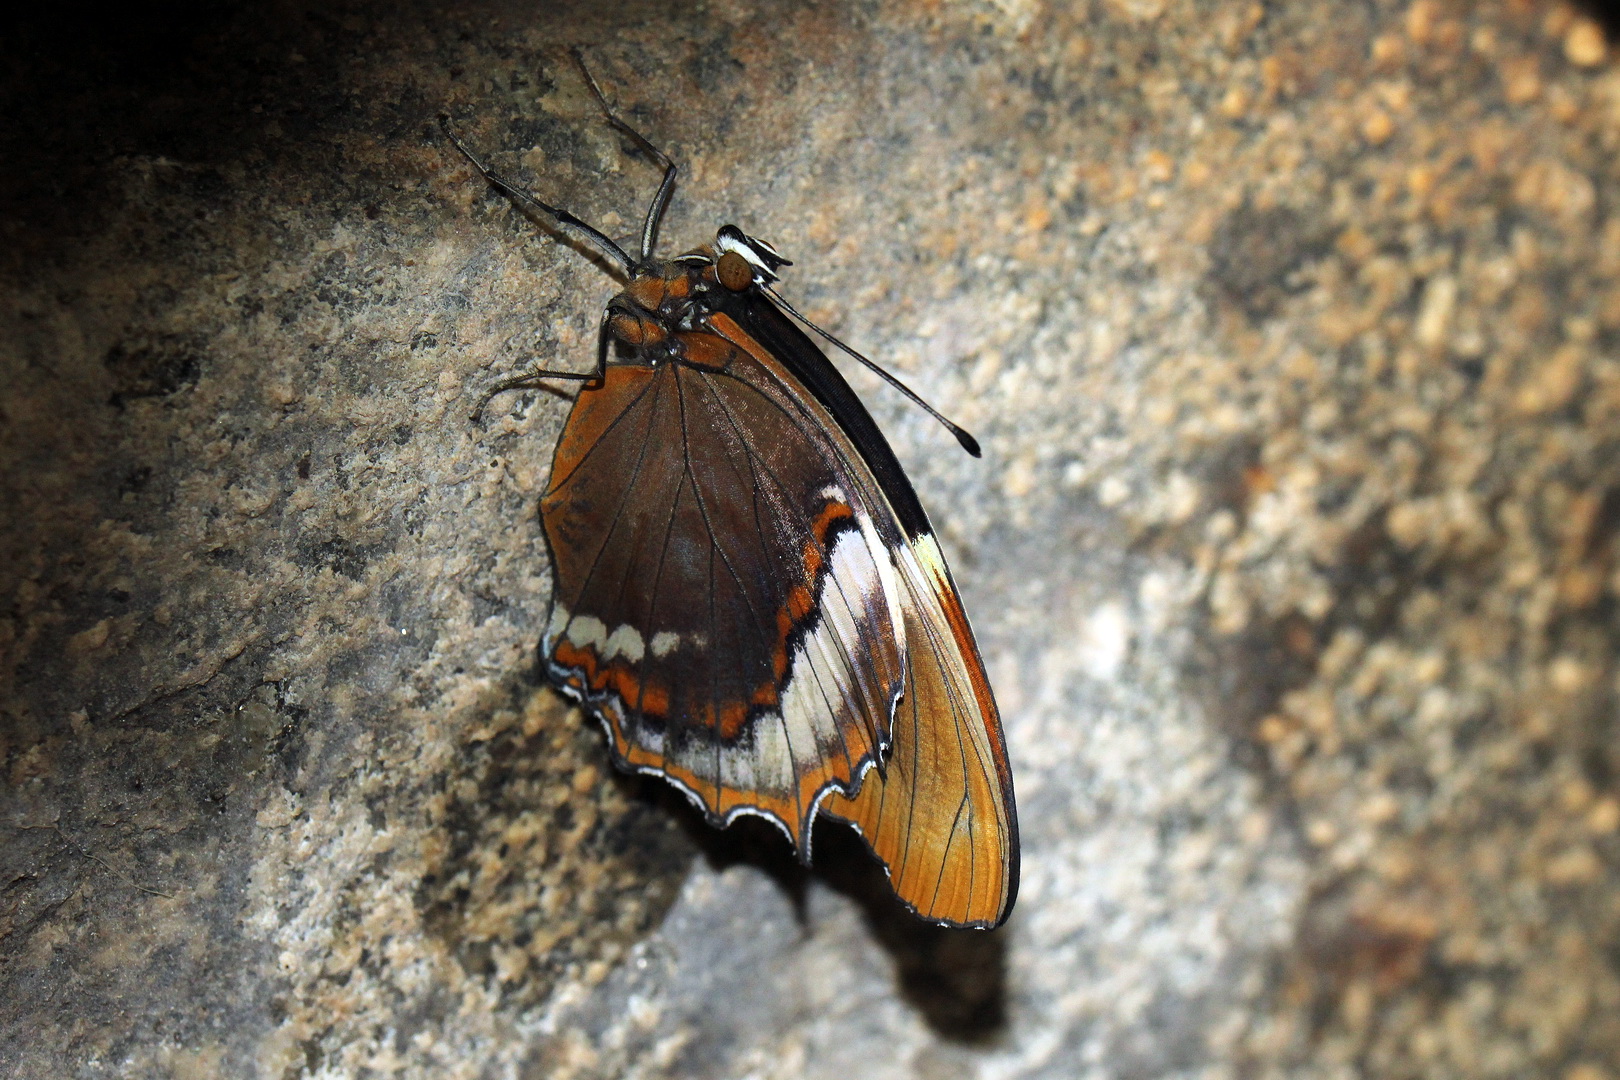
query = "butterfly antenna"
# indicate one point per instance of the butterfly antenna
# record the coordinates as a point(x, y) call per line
point(564, 220)
point(968, 442)
point(655, 212)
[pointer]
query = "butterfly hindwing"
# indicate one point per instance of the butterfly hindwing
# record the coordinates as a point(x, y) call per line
point(722, 601)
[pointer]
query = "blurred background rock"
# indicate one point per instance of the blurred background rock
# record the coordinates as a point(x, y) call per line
point(1292, 334)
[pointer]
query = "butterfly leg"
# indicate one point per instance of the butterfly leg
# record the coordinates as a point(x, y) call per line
point(655, 212)
point(534, 379)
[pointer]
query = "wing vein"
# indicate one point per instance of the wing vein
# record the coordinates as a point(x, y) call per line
point(618, 515)
point(556, 484)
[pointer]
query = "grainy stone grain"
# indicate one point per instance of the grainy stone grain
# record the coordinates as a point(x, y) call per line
point(1293, 338)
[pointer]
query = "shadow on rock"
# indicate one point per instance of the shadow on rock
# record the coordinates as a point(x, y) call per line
point(956, 979)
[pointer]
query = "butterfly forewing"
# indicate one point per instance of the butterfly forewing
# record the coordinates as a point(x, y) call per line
point(941, 816)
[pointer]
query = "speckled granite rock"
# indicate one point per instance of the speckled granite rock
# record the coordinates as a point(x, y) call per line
point(1294, 341)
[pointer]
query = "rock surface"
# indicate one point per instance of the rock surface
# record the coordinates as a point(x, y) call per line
point(1294, 342)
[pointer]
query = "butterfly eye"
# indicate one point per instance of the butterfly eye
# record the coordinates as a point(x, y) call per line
point(734, 271)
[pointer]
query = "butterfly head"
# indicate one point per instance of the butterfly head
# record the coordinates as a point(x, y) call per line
point(742, 260)
point(664, 303)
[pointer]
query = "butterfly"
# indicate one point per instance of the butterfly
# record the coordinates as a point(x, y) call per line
point(748, 594)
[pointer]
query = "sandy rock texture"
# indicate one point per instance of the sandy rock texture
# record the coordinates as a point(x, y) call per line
point(1293, 337)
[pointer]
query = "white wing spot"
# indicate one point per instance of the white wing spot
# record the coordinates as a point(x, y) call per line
point(587, 631)
point(626, 642)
